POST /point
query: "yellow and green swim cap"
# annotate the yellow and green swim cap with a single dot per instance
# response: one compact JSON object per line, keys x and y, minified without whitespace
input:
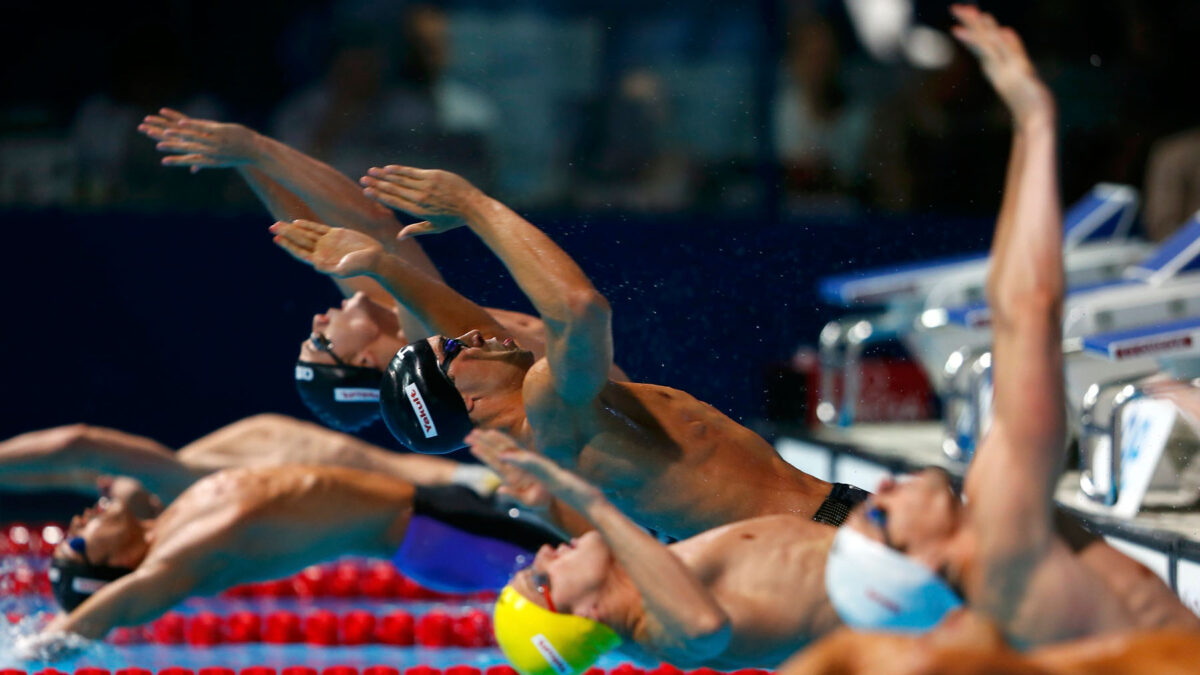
{"x":537,"y":641}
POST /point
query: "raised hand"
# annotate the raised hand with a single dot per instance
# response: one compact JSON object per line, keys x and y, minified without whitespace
{"x":441,"y":197}
{"x":491,"y":447}
{"x":527,"y":466}
{"x":1004,"y":61}
{"x":200,"y":144}
{"x":335,"y":251}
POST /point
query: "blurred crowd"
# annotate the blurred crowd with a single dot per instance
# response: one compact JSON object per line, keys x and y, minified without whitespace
{"x":774,"y":107}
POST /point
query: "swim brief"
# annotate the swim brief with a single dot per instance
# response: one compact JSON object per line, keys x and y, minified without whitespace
{"x":842,"y":498}
{"x":458,"y":541}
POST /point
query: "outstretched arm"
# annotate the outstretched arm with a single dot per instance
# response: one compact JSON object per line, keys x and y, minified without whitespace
{"x":683,"y":621}
{"x":1012,"y":479}
{"x":345,"y":253}
{"x":73,"y":457}
{"x":578,"y":318}
{"x":291,"y":184}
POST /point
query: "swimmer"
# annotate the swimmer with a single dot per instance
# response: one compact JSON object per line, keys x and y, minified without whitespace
{"x":967,"y":644}
{"x":244,"y":525}
{"x":997,"y":550}
{"x":746,"y":594}
{"x":76,"y":457}
{"x":678,"y":465}
{"x":337,"y":370}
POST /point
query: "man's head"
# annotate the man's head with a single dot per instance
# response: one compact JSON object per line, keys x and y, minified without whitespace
{"x":103,"y":544}
{"x":890,"y":561}
{"x":338,"y":371}
{"x":550,"y":619}
{"x":434,"y":390}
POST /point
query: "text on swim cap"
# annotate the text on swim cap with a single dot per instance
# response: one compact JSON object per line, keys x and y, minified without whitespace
{"x":355,"y":395}
{"x":421,"y":410}
{"x":548,"y":652}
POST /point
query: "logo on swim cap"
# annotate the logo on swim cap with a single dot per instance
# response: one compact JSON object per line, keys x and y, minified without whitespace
{"x":419,"y":403}
{"x":537,"y":641}
{"x":343,"y":397}
{"x":355,"y":394}
{"x":418,"y":406}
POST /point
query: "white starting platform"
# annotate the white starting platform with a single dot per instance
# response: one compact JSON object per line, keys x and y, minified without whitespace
{"x":1164,"y":539}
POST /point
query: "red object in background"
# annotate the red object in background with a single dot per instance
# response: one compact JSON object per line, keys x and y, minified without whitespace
{"x":175,"y":670}
{"x":340,"y":670}
{"x":500,"y":670}
{"x":321,"y":628}
{"x":396,"y":628}
{"x":205,"y":630}
{"x":282,"y":628}
{"x":892,"y":388}
{"x":626,"y":669}
{"x":310,"y":583}
{"x":11,"y":671}
{"x":381,"y":581}
{"x":462,"y":670}
{"x":594,"y":671}
{"x":244,"y":627}
{"x":257,"y":670}
{"x":215,"y":670}
{"x":133,"y":671}
{"x":473,"y":629}
{"x":422,"y":670}
{"x":358,"y":627}
{"x":666,"y":669}
{"x":380,"y":670}
{"x":298,"y":670}
{"x":50,"y":671}
{"x":168,"y":629}
{"x":278,"y":588}
{"x":91,"y":671}
{"x":435,"y":629}
{"x":344,"y":581}
{"x":750,"y":671}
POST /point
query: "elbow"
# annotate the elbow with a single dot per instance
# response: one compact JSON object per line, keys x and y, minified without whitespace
{"x":1039,"y":303}
{"x":587,"y":305}
{"x":708,"y":635}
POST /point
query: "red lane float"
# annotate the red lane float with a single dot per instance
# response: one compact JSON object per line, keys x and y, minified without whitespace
{"x":623,"y":669}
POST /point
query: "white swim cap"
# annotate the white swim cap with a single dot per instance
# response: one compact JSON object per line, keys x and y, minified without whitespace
{"x":875,"y":588}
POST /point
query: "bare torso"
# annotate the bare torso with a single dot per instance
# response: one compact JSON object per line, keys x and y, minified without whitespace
{"x":255,"y":524}
{"x":768,"y":574}
{"x":674,"y":463}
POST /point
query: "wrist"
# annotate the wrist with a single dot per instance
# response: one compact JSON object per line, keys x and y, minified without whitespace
{"x":478,"y":209}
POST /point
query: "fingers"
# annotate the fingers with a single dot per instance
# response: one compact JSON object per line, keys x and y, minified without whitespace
{"x":297,"y":252}
{"x":416,"y":230}
{"x":405,"y":188}
{"x":195,"y":161}
{"x":182,"y":147}
{"x":312,"y":227}
{"x":399,"y":172}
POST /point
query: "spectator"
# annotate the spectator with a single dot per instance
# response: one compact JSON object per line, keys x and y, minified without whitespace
{"x":364,"y":113}
{"x":1172,"y":183}
{"x":820,"y":131}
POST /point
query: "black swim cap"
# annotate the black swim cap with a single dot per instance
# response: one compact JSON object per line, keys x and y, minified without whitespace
{"x":74,"y":581}
{"x":343,"y":397}
{"x":420,"y":405}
